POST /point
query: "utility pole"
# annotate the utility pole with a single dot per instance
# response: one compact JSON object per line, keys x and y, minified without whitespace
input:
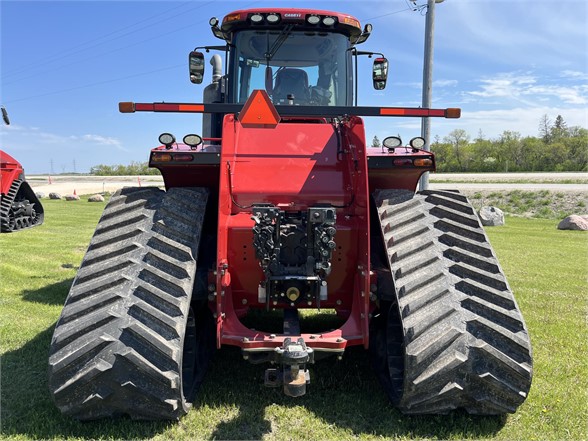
{"x":428,"y":83}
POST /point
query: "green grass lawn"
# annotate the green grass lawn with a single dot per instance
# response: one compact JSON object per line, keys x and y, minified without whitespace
{"x":546,"y":268}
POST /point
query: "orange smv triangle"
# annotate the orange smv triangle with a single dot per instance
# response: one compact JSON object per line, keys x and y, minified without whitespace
{"x":259,"y":111}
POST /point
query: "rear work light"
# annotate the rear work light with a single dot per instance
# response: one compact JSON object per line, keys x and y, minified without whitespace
{"x":167,"y":139}
{"x":391,"y":142}
{"x":193,"y":140}
{"x":417,"y":142}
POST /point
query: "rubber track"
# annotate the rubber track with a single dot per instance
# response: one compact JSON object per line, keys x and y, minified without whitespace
{"x":6,"y":203}
{"x":8,"y":199}
{"x":466,"y":344}
{"x":117,"y":346}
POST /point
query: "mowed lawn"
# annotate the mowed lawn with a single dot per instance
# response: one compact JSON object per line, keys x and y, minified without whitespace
{"x":546,"y":268}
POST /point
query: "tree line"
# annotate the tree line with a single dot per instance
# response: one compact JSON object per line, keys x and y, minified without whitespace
{"x":557,"y":148}
{"x":133,"y":169}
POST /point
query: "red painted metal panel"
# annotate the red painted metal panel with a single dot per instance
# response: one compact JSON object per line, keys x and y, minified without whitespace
{"x":10,"y":169}
{"x":294,"y":166}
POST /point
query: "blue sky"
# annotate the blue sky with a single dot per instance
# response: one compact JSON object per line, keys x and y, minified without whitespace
{"x":64,"y":66}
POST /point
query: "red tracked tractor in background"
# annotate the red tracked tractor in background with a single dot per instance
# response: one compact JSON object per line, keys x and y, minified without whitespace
{"x":281,"y":207}
{"x":19,"y":206}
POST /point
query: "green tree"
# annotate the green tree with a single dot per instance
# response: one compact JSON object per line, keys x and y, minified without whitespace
{"x":545,"y":128}
{"x":444,"y":157}
{"x":559,"y":129}
{"x":459,"y":140}
{"x":513,"y":149}
{"x":133,"y":169}
{"x":484,"y":157}
{"x":376,"y":142}
{"x":577,"y":148}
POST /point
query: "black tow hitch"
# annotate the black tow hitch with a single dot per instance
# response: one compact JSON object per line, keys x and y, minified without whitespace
{"x":292,"y":373}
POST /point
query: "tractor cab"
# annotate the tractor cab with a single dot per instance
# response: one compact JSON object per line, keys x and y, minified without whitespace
{"x":299,"y":57}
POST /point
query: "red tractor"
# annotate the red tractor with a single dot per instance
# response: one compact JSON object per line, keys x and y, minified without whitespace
{"x":19,"y":206}
{"x":281,"y":208}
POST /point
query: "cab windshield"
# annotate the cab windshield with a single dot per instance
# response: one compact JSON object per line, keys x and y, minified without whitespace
{"x":294,"y":67}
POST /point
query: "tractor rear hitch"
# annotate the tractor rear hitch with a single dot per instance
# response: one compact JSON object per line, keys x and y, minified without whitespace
{"x":292,"y":373}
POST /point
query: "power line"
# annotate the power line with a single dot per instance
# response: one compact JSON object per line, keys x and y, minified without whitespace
{"x":94,"y":55}
{"x":388,"y":14}
{"x":94,"y":42}
{"x":95,"y":84}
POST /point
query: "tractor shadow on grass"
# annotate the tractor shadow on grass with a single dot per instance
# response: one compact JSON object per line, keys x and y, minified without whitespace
{"x":344,"y":397}
{"x":53,"y":294}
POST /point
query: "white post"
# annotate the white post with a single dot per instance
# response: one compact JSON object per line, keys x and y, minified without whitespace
{"x":428,"y":83}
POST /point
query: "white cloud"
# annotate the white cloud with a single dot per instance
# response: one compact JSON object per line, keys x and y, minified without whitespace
{"x":102,"y":140}
{"x":574,"y":74}
{"x":445,"y":83}
{"x":569,"y":95}
{"x":56,"y":139}
{"x":504,"y":85}
{"x":527,"y":88}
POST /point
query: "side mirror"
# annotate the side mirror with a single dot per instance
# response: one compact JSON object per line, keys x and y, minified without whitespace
{"x":196,"y":64}
{"x":380,"y":73}
{"x":5,"y":116}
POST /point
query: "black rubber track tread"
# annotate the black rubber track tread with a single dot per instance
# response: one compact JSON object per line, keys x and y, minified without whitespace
{"x":465,"y":342}
{"x":18,"y":191}
{"x":117,"y":348}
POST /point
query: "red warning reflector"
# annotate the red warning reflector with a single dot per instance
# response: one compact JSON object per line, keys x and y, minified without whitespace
{"x":185,"y":157}
{"x":403,"y":162}
{"x":259,"y":111}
